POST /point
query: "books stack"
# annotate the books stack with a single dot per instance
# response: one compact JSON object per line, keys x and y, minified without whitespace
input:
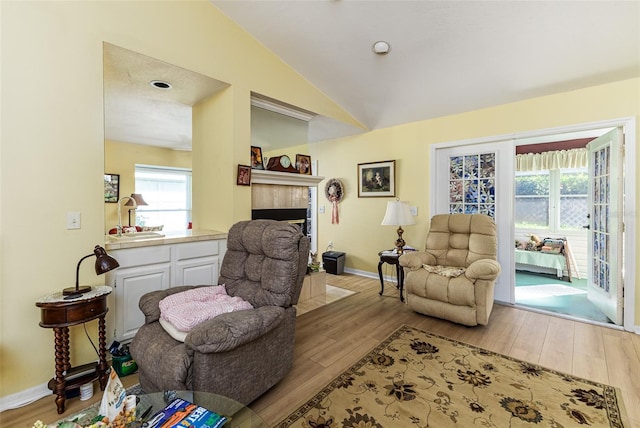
{"x":182,"y":413}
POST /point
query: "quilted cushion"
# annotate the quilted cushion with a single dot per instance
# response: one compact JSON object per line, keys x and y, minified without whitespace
{"x":262,"y":257}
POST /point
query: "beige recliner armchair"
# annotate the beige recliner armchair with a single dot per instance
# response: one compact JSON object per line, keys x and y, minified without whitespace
{"x":454,"y":277}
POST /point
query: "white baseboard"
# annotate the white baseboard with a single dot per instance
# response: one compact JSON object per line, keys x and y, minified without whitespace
{"x":25,"y":397}
{"x":361,"y":273}
{"x":373,"y":275}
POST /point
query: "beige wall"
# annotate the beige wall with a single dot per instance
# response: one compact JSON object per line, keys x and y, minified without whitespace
{"x":122,"y":158}
{"x":52,"y":145}
{"x":409,"y":145}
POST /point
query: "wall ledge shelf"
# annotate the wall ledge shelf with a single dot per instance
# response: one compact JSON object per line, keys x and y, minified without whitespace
{"x":284,"y":178}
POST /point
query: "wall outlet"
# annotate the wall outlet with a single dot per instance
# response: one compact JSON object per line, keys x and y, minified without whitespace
{"x":330,"y":245}
{"x":73,"y":220}
{"x":414,"y":210}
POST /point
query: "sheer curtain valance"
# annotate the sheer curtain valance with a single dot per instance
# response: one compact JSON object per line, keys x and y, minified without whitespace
{"x":558,"y":159}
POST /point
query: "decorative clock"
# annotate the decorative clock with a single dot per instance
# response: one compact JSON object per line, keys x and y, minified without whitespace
{"x":281,"y":163}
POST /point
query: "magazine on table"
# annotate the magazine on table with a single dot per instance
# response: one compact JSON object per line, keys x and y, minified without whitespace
{"x":183,"y":413}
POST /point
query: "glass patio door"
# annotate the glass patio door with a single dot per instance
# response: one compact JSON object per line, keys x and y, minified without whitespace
{"x":605,"y":285}
{"x":475,"y":178}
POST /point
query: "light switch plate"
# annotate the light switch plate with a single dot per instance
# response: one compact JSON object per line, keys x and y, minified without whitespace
{"x":73,"y":220}
{"x":414,"y":210}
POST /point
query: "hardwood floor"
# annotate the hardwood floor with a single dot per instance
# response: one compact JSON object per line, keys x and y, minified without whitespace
{"x":331,"y":338}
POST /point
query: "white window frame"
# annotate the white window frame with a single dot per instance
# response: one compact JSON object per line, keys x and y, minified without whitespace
{"x":168,"y":170}
{"x":554,"y":197}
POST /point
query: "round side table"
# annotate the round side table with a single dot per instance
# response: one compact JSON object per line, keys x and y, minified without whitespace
{"x":59,"y":313}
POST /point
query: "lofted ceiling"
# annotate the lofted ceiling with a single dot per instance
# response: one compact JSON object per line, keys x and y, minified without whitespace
{"x":446,"y":57}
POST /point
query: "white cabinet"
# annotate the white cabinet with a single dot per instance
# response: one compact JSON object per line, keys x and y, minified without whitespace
{"x":197,"y":263}
{"x":157,"y":267}
{"x":130,"y":285}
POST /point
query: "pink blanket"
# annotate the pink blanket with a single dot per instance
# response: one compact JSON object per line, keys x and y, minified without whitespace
{"x":189,"y":308}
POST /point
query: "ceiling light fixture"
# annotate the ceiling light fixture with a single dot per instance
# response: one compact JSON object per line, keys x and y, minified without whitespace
{"x":160,"y":84}
{"x":381,"y":47}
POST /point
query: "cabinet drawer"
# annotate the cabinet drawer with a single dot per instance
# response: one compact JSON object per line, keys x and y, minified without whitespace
{"x":75,"y":314}
{"x":192,"y":250}
{"x":143,"y":256}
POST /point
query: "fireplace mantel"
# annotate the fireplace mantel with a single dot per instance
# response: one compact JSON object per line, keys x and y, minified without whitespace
{"x":284,"y":178}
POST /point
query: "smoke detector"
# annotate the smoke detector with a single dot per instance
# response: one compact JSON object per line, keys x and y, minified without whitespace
{"x":381,"y":47}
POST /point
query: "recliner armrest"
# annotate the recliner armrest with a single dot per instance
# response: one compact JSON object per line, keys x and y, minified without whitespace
{"x":415,"y":259}
{"x":228,"y":331}
{"x":486,"y":269}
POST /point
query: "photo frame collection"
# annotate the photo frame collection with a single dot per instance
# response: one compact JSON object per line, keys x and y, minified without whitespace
{"x":302,"y":165}
{"x":377,"y":179}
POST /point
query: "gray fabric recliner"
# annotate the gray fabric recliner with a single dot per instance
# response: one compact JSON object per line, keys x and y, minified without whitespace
{"x":240,"y":354}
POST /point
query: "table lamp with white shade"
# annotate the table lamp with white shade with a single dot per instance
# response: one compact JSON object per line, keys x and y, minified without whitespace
{"x":398,"y":214}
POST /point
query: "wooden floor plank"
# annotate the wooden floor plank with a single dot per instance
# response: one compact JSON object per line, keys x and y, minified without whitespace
{"x":557,"y":350}
{"x":589,"y":359}
{"x":623,"y":365}
{"x":528,"y":344}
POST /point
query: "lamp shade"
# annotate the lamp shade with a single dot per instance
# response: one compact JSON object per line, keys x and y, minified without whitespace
{"x":135,"y":200}
{"x":104,"y":262}
{"x":398,"y":214}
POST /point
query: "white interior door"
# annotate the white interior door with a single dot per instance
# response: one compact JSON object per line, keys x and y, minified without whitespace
{"x":605,"y":285}
{"x":454,"y":169}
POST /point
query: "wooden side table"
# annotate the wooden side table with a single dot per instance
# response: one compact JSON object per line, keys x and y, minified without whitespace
{"x":59,"y":314}
{"x":392,"y":259}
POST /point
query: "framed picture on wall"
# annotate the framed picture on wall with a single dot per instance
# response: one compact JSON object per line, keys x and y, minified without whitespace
{"x":244,"y":175}
{"x":303,"y":164}
{"x":256,"y":158}
{"x":111,"y":188}
{"x":377,"y":179}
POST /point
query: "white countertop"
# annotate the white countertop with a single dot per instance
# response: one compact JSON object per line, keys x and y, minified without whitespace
{"x":169,"y":238}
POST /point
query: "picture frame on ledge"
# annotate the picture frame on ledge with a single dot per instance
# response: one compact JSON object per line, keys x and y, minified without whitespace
{"x":111,"y":188}
{"x":377,"y":179}
{"x":257,"y":162}
{"x":303,"y":164}
{"x":244,"y":175}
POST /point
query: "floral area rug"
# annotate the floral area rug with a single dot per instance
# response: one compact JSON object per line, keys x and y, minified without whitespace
{"x":418,"y":379}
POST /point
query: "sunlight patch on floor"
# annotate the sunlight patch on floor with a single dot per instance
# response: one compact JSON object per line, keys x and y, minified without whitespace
{"x":332,"y":294}
{"x":545,"y":290}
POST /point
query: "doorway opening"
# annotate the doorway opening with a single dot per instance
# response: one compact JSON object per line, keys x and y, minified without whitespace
{"x":554,"y":200}
{"x":607,"y":249}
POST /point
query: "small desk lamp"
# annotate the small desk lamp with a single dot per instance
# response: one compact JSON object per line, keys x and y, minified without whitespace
{"x":135,"y":200}
{"x":104,"y":263}
{"x":398,"y":214}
